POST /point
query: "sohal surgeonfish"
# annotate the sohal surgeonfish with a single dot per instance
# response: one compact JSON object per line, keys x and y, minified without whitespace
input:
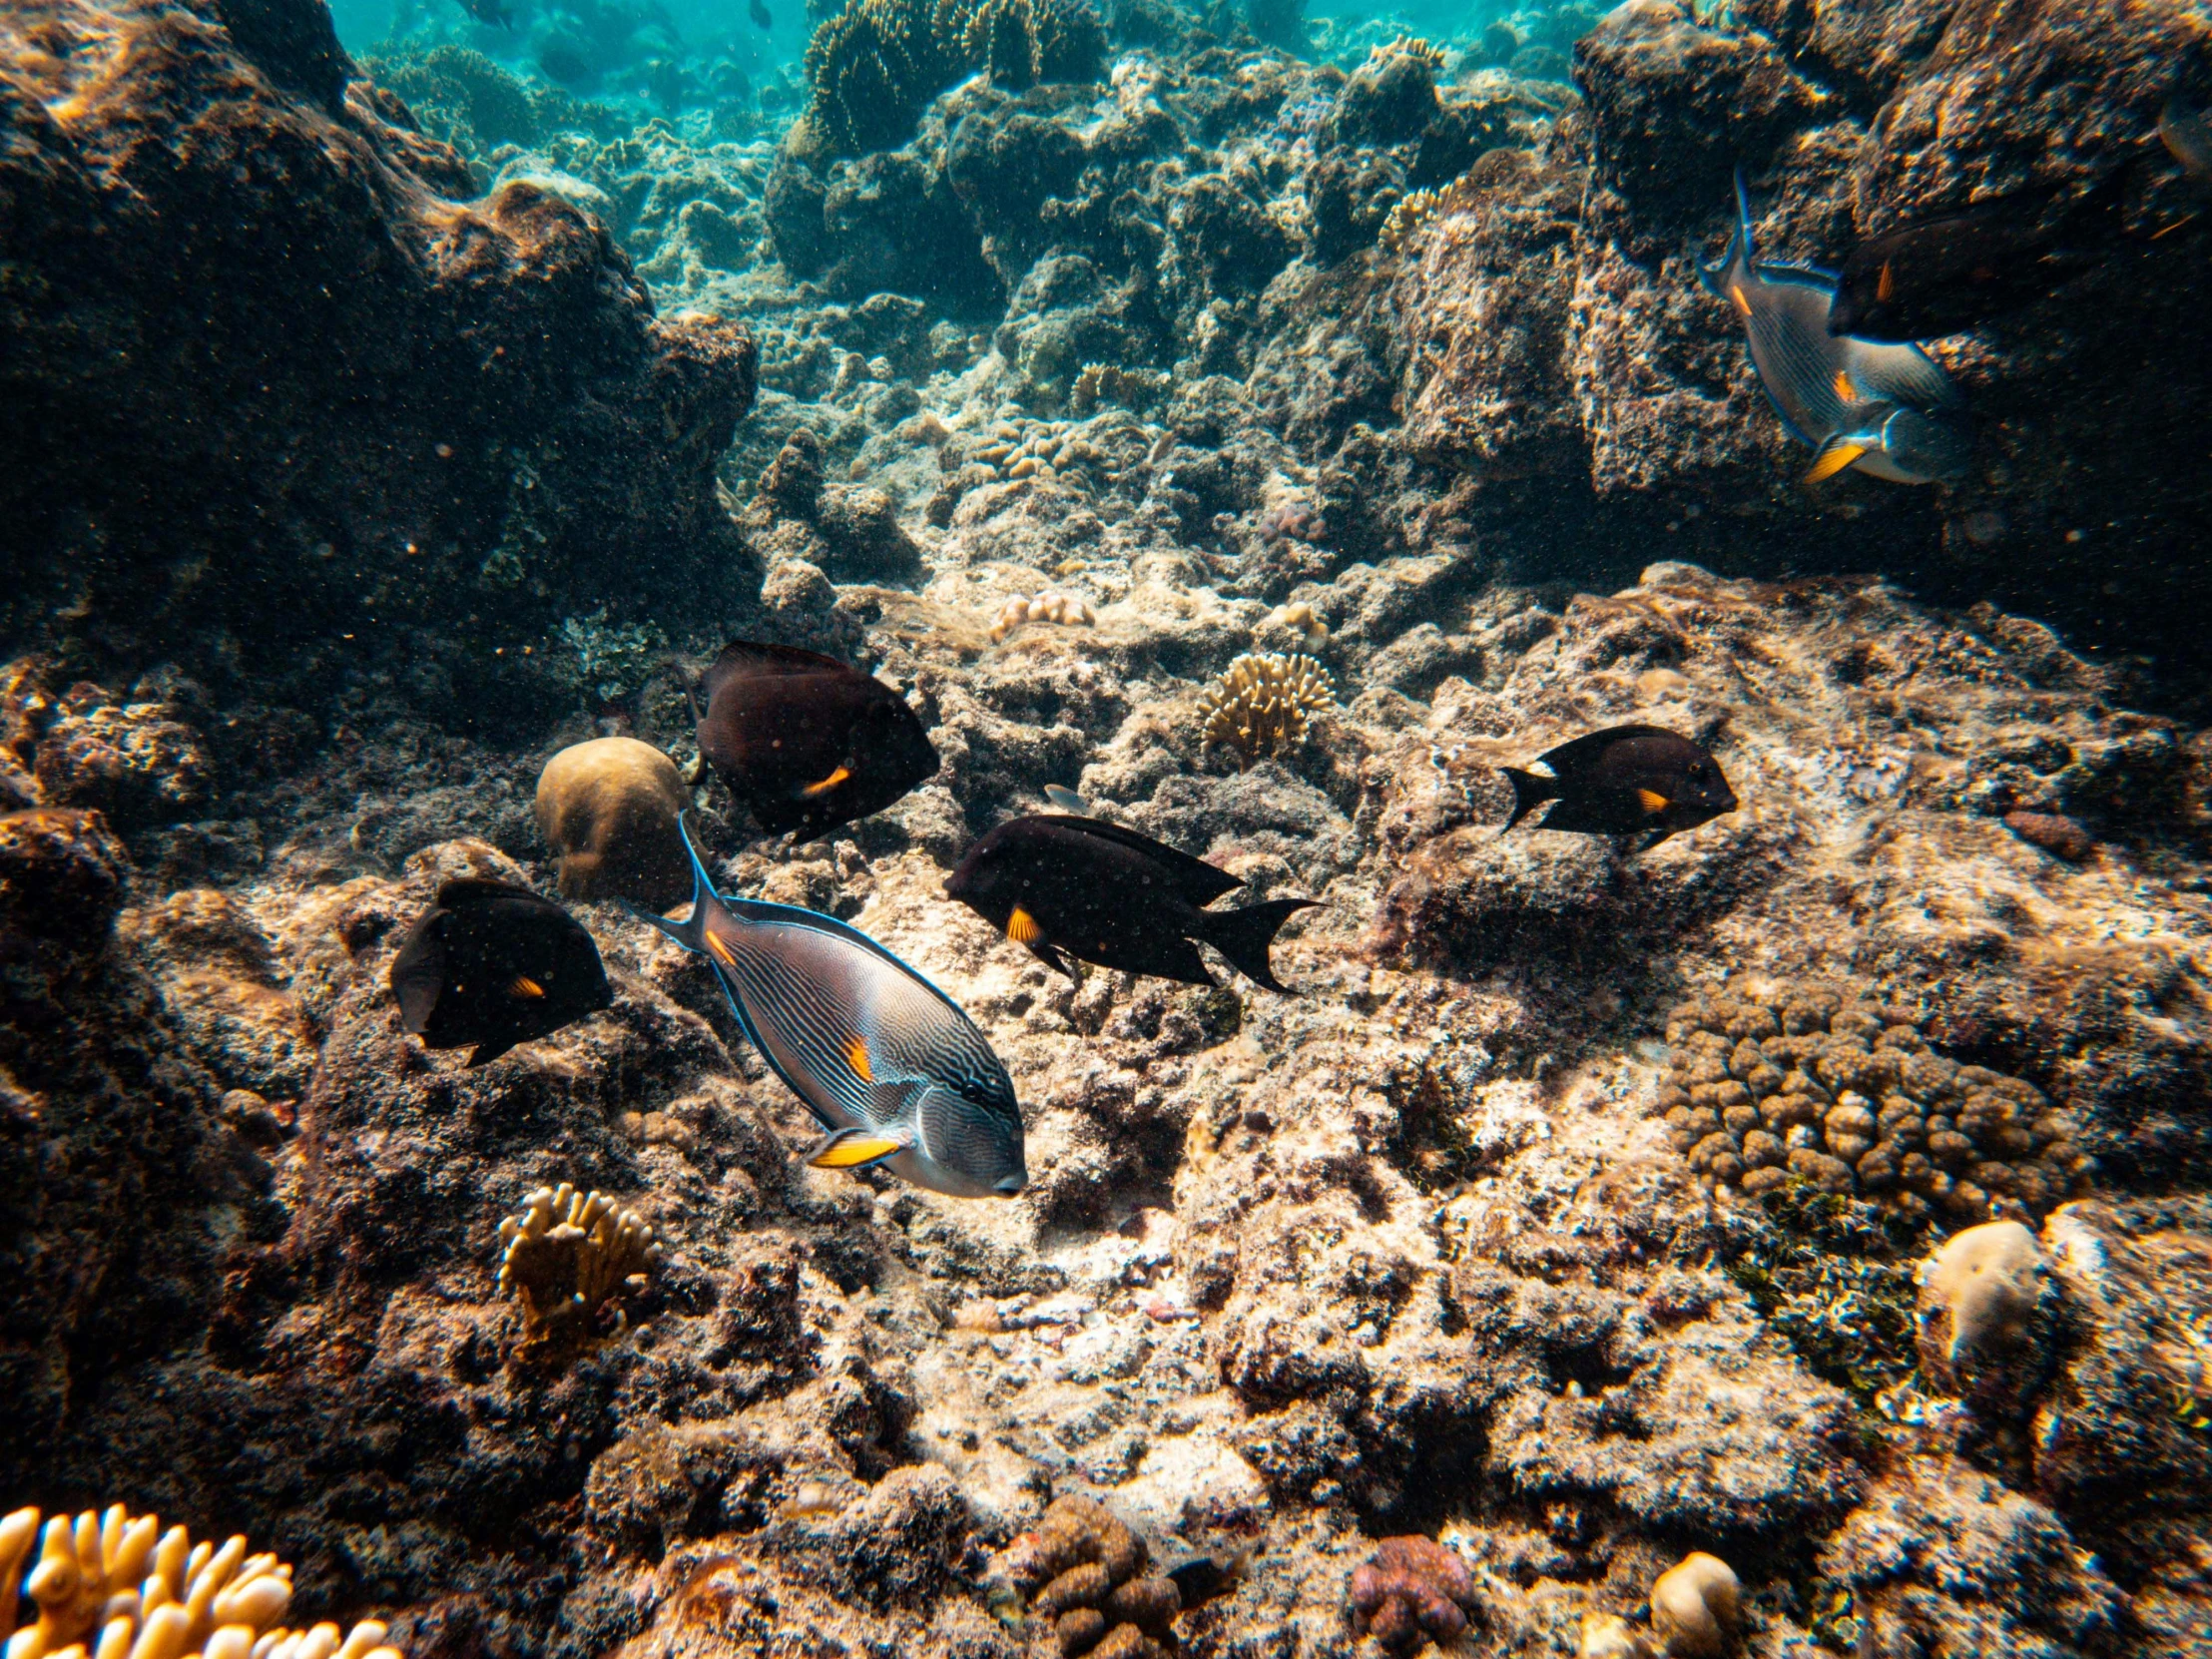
{"x":1945,"y":276}
{"x":495,"y":965}
{"x":1109,"y":895}
{"x":887,"y":1064}
{"x":1624,"y":781}
{"x":803,"y":740}
{"x":1835,"y":392}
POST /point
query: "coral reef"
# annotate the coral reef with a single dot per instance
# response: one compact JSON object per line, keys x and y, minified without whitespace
{"x":574,"y":1260}
{"x":137,"y":1589}
{"x":610,"y":809}
{"x":1411,"y":1590}
{"x":1986,"y":1315}
{"x":1263,"y":704}
{"x":537,"y":434}
{"x":1798,"y":1083}
{"x":876,"y":62}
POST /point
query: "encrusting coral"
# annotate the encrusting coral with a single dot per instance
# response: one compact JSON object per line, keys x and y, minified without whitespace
{"x":1085,"y":1571}
{"x":151,"y":1594}
{"x":1062,"y":608}
{"x":1262,"y":705}
{"x":609,"y":809}
{"x":1853,"y":1099}
{"x":573,"y":1257}
{"x":1693,"y":1606}
{"x":1411,"y":1590}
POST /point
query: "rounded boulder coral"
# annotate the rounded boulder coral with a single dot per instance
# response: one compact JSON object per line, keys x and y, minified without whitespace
{"x":610,"y":809}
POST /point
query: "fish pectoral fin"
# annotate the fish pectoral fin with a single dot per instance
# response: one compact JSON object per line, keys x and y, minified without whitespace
{"x":1835,"y":455}
{"x":525,"y":986}
{"x":809,"y":792}
{"x":1053,"y":958}
{"x":1652,"y":801}
{"x":1024,"y":929}
{"x":855,"y":1148}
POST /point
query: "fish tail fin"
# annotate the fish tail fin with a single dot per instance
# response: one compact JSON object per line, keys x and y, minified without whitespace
{"x":1245,"y":936}
{"x":1530,"y":793}
{"x":691,"y":932}
{"x":1743,"y":218}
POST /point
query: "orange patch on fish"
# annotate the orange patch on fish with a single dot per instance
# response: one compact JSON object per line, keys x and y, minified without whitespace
{"x":1885,"y":285}
{"x":1022,"y":927}
{"x":856,"y":1056}
{"x":721,"y":951}
{"x":1844,"y":389}
{"x":1652,"y":801}
{"x":1743,"y":300}
{"x":828,"y":783}
{"x":524,"y":985}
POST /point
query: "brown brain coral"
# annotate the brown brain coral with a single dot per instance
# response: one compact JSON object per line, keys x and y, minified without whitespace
{"x":133,"y":1591}
{"x":1084,"y":1570}
{"x":1851,"y":1098}
{"x":1262,"y":705}
{"x":1411,"y":1590}
{"x":573,"y":1259}
{"x":609,"y":809}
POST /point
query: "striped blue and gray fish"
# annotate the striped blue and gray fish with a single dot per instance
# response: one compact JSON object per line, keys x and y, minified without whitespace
{"x":1884,"y":408}
{"x":890,"y":1067}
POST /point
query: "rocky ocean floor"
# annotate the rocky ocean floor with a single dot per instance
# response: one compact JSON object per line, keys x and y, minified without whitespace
{"x":379,"y":437}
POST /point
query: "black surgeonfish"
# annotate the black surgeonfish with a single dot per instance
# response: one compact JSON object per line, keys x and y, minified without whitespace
{"x":760,"y":18}
{"x":2187,"y":136}
{"x":495,"y":964}
{"x":887,"y":1062}
{"x":803,"y":740}
{"x":1945,"y":276}
{"x":1624,"y":781}
{"x":1836,"y":393}
{"x":1109,"y":895}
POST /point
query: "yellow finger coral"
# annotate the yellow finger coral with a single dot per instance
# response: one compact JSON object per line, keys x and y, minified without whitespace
{"x":150,"y":1594}
{"x":572,"y":1258}
{"x":1262,"y":705}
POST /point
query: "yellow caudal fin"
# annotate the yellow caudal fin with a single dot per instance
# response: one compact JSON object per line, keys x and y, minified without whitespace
{"x":856,"y":1056}
{"x":1832,"y":461}
{"x":1022,"y":927}
{"x":827,"y":785}
{"x":1652,"y":801}
{"x":850,"y":1148}
{"x":523,"y":985}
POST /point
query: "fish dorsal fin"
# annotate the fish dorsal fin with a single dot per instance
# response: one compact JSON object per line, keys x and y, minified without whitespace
{"x":1195,"y":880}
{"x":760,"y":657}
{"x":464,"y":890}
{"x":1569,"y":757}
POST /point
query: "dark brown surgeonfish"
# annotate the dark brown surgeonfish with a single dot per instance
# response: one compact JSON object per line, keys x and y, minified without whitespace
{"x":1624,"y":781}
{"x":1945,"y":276}
{"x":1105,"y":895}
{"x":803,"y":740}
{"x":494,"y":964}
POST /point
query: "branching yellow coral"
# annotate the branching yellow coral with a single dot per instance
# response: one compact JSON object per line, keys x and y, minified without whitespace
{"x":150,"y":1594}
{"x":572,"y":1257}
{"x":1261,"y":706}
{"x":1411,"y":214}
